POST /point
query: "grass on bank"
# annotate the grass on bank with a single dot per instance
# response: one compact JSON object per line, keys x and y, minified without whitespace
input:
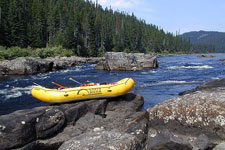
{"x":14,"y":52}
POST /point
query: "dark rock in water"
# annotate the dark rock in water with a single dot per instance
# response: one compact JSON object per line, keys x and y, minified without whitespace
{"x":102,"y":139}
{"x":47,"y":127}
{"x":208,"y":86}
{"x":206,"y":56}
{"x":222,"y":59}
{"x":120,"y":61}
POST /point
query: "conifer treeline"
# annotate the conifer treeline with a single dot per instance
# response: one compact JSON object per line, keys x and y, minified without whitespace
{"x":83,"y":26}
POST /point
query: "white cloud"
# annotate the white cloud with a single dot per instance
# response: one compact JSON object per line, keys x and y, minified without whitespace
{"x":115,"y":4}
{"x":140,"y":8}
{"x":103,"y":2}
{"x":123,"y":3}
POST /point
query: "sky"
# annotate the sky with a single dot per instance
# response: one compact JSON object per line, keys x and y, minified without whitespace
{"x":176,"y":16}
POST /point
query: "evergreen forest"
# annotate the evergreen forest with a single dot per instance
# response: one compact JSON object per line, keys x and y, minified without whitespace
{"x":78,"y":27}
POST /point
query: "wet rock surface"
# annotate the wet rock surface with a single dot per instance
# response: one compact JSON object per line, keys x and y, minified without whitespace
{"x":120,"y":61}
{"x":34,"y":65}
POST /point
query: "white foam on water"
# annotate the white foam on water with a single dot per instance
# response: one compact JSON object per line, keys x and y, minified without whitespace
{"x":167,"y":82}
{"x":215,"y":78}
{"x":14,"y":92}
{"x":3,"y":91}
{"x":14,"y":95}
{"x":172,"y":82}
{"x":191,"y":67}
{"x":196,"y":63}
{"x":77,"y":69}
{"x":40,"y":76}
{"x":149,"y":72}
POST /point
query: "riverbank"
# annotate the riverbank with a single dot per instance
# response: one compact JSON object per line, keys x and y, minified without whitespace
{"x":184,"y":122}
{"x":113,"y":61}
{"x":35,"y":65}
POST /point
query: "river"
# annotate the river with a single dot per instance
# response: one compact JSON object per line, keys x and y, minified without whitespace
{"x":175,"y":74}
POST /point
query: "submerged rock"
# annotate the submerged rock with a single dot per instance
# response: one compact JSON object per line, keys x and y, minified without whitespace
{"x":120,"y":61}
{"x":206,"y":56}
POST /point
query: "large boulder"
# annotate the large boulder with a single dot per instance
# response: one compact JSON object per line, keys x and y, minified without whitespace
{"x":120,"y":61}
{"x":25,"y":66}
{"x":198,"y":115}
{"x":47,"y":127}
{"x":146,"y":60}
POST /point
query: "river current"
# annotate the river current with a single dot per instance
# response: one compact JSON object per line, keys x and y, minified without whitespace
{"x":175,"y":74}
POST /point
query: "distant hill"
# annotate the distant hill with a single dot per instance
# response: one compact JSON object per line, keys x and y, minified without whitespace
{"x":210,"y":41}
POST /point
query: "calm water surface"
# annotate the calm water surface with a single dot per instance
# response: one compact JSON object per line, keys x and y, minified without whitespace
{"x":175,"y":74}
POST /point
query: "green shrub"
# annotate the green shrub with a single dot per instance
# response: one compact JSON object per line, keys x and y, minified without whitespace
{"x":14,"y":52}
{"x":52,"y":52}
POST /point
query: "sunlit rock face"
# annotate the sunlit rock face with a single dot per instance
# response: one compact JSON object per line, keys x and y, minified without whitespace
{"x":195,"y":120}
{"x":120,"y":61}
{"x":194,"y":113}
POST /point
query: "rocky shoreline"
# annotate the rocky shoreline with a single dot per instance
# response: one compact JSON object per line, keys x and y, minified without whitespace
{"x":113,"y":61}
{"x":195,"y":120}
{"x":35,"y":65}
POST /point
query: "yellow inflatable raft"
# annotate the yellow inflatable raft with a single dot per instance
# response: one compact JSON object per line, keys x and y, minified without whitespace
{"x":89,"y":91}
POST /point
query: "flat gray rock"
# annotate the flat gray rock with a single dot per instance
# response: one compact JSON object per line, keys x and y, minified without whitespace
{"x":100,"y":139}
